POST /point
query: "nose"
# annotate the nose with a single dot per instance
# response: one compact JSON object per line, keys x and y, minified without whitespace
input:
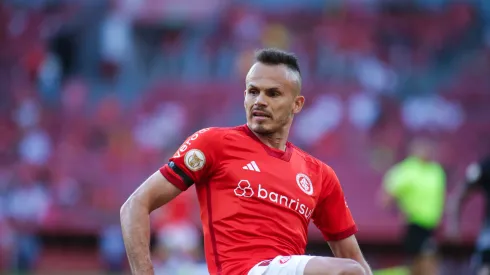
{"x":260,"y":99}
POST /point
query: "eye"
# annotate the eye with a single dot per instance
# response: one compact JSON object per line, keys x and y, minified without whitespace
{"x":274,"y":93}
{"x":253,"y":91}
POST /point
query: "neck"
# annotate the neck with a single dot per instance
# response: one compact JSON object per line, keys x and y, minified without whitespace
{"x":274,"y":141}
{"x":425,"y":160}
{"x":277,"y":140}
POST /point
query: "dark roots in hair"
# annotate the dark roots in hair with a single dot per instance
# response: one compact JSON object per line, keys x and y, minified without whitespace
{"x":278,"y":57}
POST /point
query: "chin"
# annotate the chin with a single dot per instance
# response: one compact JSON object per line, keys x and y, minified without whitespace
{"x":261,"y":128}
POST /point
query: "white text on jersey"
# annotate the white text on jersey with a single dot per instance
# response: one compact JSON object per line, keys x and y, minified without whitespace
{"x":245,"y":190}
{"x":188,"y":142}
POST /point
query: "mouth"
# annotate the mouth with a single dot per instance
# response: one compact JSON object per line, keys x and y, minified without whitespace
{"x":260,"y":114}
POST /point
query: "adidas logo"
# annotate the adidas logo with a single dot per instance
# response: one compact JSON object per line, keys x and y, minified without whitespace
{"x":252,"y":166}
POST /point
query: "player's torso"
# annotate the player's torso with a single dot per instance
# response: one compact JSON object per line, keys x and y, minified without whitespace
{"x":255,"y":179}
{"x":259,"y":202}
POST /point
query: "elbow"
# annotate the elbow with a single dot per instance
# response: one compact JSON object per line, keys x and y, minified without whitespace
{"x":123,"y":209}
{"x":126,"y":209}
{"x":133,"y":206}
{"x":352,"y":267}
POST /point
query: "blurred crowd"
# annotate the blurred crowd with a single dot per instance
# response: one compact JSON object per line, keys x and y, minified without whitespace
{"x":96,"y":95}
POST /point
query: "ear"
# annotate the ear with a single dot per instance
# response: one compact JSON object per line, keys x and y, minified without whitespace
{"x":245,"y":99}
{"x":299,"y":101}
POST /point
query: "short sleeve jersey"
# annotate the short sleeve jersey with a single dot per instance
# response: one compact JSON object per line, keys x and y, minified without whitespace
{"x":256,"y":202}
{"x":420,"y":189}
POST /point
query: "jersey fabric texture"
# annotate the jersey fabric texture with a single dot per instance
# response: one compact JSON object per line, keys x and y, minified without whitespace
{"x":256,"y":202}
{"x":420,"y":189}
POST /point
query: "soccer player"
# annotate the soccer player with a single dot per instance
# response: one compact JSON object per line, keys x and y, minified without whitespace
{"x":257,"y":191}
{"x":418,"y":186}
{"x":477,"y":178}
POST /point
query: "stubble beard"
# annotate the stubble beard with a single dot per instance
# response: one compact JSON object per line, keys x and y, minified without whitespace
{"x":276,"y":126}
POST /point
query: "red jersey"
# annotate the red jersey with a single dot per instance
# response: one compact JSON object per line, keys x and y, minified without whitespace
{"x":256,"y":202}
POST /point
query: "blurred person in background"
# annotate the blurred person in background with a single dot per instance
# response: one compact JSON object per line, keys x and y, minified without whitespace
{"x":477,"y":179}
{"x":111,"y":247}
{"x":26,"y":207}
{"x":178,"y":246}
{"x":6,"y":234}
{"x":418,"y":186}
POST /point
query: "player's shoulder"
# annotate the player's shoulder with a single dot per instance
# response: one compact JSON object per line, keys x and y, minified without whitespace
{"x":218,"y":134}
{"x":403,"y":165}
{"x":314,"y":162}
{"x":234,"y":134}
{"x":211,"y":132}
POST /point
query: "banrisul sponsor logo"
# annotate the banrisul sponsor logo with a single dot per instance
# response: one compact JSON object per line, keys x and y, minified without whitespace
{"x":245,"y":190}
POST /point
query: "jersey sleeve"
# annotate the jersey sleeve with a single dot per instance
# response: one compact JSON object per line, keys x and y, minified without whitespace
{"x":194,"y":160}
{"x":332,"y":215}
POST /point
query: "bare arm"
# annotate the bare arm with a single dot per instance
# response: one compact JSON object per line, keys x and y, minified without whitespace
{"x":349,"y":248}
{"x":135,"y":219}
